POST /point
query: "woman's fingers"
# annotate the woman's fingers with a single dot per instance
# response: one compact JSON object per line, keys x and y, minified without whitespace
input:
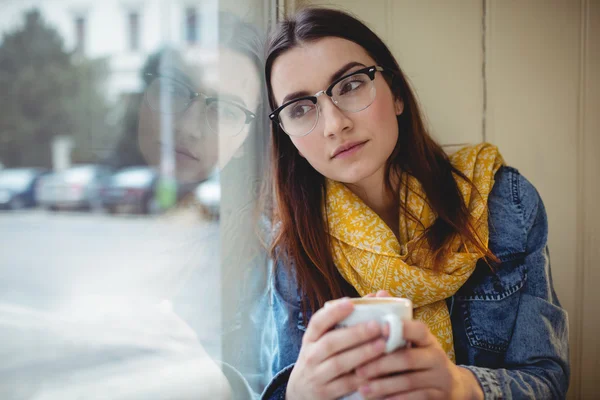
{"x":342,"y":386}
{"x":346,"y":338}
{"x":401,"y":383}
{"x":343,"y":339}
{"x":327,"y":318}
{"x":379,"y":293}
{"x":342,"y":363}
{"x":400,"y":361}
{"x":427,"y":394}
{"x":417,"y":333}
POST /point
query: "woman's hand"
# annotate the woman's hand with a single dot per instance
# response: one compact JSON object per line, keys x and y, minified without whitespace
{"x":326,"y":365}
{"x":422,"y":371}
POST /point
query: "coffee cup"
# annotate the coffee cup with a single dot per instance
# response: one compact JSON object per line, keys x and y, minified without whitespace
{"x":391,"y":311}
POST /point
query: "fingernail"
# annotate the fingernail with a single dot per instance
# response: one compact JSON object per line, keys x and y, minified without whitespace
{"x":365,"y":389}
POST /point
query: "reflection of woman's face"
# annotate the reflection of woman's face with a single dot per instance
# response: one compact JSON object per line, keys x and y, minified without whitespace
{"x":205,"y":133}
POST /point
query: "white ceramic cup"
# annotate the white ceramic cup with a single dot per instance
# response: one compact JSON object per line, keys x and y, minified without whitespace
{"x":391,"y":311}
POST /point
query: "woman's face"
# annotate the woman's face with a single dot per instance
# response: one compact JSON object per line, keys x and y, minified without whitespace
{"x":309,"y":68}
{"x":200,"y":145}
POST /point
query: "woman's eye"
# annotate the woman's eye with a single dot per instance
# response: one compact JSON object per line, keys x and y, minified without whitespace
{"x":227,"y":112}
{"x":350,"y":86}
{"x":176,"y":90}
{"x":300,"y":111}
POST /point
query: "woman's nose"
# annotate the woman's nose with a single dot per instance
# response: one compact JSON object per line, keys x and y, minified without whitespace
{"x":191,"y":122}
{"x":334,"y":119}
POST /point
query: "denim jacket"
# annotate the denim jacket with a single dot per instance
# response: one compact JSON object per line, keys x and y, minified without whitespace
{"x":509,"y":327}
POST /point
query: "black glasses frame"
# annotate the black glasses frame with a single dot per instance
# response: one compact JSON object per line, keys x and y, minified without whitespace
{"x":369,"y":71}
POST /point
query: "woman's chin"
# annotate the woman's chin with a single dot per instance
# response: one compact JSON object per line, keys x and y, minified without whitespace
{"x":354,"y":176}
{"x":187,"y":175}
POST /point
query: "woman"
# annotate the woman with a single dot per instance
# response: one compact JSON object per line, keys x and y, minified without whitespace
{"x":209,"y":119}
{"x":205,"y":100}
{"x":366,"y":202}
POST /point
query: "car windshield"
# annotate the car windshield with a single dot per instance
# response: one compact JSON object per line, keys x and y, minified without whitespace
{"x":133,"y":178}
{"x":15,"y":180}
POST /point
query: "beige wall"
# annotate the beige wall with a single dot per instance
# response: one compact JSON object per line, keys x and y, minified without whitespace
{"x":524,"y":75}
{"x":534,"y":63}
{"x":589,"y":216}
{"x":447,"y":76}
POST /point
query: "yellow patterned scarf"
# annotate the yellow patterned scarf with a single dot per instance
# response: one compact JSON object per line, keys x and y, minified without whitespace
{"x":371,"y":258}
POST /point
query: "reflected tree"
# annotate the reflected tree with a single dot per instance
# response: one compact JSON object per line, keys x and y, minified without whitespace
{"x":49,"y":91}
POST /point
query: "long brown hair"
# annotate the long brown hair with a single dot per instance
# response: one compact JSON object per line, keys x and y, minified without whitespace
{"x":299,"y":190}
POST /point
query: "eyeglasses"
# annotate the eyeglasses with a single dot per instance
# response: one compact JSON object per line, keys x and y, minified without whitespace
{"x":167,"y":95}
{"x":352,"y":93}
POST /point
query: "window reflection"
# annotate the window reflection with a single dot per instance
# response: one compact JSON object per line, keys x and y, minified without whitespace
{"x":191,"y":25}
{"x":134,"y":31}
{"x":131,"y":159}
{"x":80,"y":28}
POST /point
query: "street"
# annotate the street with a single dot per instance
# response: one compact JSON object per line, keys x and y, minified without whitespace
{"x":47,"y":255}
{"x":82,"y":290}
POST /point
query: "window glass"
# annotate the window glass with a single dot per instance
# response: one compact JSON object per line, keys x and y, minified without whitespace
{"x":142,"y":133}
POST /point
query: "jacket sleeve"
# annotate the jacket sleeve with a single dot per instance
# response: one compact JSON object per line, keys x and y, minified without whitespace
{"x":278,"y":386}
{"x":286,"y":331}
{"x":536,"y":362}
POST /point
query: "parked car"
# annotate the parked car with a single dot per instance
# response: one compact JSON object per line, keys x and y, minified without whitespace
{"x":77,"y":187}
{"x":131,"y":189}
{"x":208,"y":196}
{"x":18,"y":187}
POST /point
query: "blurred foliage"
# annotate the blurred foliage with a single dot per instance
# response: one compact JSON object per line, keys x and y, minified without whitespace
{"x":48,"y":91}
{"x":127,"y":152}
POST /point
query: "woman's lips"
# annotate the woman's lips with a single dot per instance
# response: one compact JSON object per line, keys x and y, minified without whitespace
{"x":352,"y":150}
{"x":182,"y":154}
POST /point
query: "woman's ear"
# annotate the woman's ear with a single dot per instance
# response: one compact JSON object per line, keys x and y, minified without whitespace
{"x":399,"y":106}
